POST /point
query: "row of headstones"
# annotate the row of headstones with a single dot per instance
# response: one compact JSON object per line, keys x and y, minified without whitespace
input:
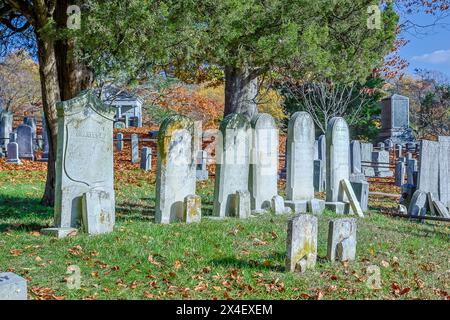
{"x":301,"y":244}
{"x":429,"y":188}
{"x":246,"y":172}
{"x":21,"y":143}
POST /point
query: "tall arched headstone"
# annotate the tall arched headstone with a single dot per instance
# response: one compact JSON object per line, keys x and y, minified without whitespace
{"x":25,"y":142}
{"x":338,"y":166}
{"x":84,"y":166}
{"x":232,"y":169}
{"x":175,"y":178}
{"x":300,"y":162}
{"x":6,"y":122}
{"x":263,"y":182}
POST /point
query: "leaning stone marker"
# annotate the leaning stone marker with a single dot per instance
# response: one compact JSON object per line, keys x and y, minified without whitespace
{"x":354,"y":203}
{"x":84,"y":161}
{"x":418,"y":205}
{"x":263,"y":182}
{"x":342,"y":240}
{"x":444,"y":170}
{"x":300,"y":162}
{"x":12,"y":287}
{"x":232,"y":169}
{"x":441,"y":210}
{"x":175,"y":177}
{"x":301,"y":243}
{"x":242,"y":204}
{"x":338,"y":145}
{"x":428,"y":177}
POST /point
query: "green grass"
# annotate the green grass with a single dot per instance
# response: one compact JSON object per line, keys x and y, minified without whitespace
{"x":213,"y":259}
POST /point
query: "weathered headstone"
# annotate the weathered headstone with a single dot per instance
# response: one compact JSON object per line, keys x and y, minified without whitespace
{"x":277,"y":205}
{"x":201,"y":172}
{"x":176,"y":168}
{"x":366,"y":159}
{"x":395,"y":120}
{"x":444,"y":170}
{"x":119,"y":142}
{"x":400,"y":173}
{"x":300,"y":162}
{"x":361,"y":190}
{"x":242,"y":204}
{"x":428,"y":176}
{"x":440,"y":209}
{"x":98,"y":215}
{"x":342,"y":240}
{"x":13,"y":153}
{"x":84,"y":160}
{"x":353,"y":200}
{"x":192,"y":210}
{"x":12,"y":287}
{"x":6,"y":124}
{"x":263,"y":180}
{"x":25,"y":142}
{"x":301,"y":243}
{"x":338,"y":167}
{"x":232,"y":169}
{"x":146,"y":158}
{"x":411,"y":170}
{"x":134,"y":148}
{"x":380,"y":160}
{"x":418,"y":205}
{"x":319,"y":176}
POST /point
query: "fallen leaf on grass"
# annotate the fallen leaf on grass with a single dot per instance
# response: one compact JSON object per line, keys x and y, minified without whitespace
{"x":15,"y":252}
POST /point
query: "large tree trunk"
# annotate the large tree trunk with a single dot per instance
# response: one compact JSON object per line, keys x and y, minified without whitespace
{"x":241,"y":90}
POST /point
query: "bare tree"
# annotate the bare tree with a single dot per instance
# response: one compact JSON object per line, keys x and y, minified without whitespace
{"x":325,"y":100}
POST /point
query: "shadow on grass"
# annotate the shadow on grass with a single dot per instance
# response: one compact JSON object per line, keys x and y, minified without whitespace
{"x":232,"y":262}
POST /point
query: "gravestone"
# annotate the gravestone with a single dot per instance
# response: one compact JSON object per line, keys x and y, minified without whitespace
{"x":300,"y":162}
{"x":202,"y":173}
{"x":119,"y":142}
{"x":175,"y":177}
{"x":380,"y":160}
{"x":301,"y":243}
{"x":232,"y":168}
{"x":98,"y":215}
{"x":402,"y":210}
{"x":263,"y":180}
{"x":242,"y":204}
{"x":12,"y":287}
{"x":192,"y":210}
{"x":342,"y":240}
{"x":338,"y":167}
{"x":319,"y":176}
{"x":25,"y":142}
{"x":444,"y":170}
{"x":45,"y":144}
{"x":400,"y":173}
{"x":441,"y":210}
{"x":361,"y":190}
{"x":366,"y":159}
{"x":134,"y":148}
{"x":146,"y":158}
{"x":428,"y":173}
{"x":277,"y":205}
{"x":6,"y":124}
{"x":31,"y":121}
{"x":395,"y":120}
{"x":347,"y":189}
{"x":12,"y":152}
{"x":84,"y":161}
{"x":418,"y":205}
{"x":356,"y":173}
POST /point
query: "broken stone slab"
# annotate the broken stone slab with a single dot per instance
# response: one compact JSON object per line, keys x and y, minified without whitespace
{"x":297,"y":206}
{"x":59,"y":232}
{"x":440,"y":209}
{"x":354,"y":203}
{"x":12,"y":287}
{"x":342,"y":239}
{"x":301,"y":243}
{"x":242,"y":204}
{"x":98,"y":216}
{"x":418,"y":205}
{"x":192,"y":209}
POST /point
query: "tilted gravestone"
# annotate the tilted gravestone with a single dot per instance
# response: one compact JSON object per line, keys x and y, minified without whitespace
{"x":134,"y":148}
{"x":175,"y":176}
{"x":25,"y":142}
{"x":233,"y":160}
{"x":380,"y":160}
{"x":428,"y":176}
{"x":12,"y":287}
{"x":342,"y":240}
{"x":146,"y":158}
{"x":418,"y":205}
{"x":301,"y":243}
{"x":444,"y":170}
{"x":84,"y":163}
{"x":338,"y":167}
{"x":263,"y":180}
{"x":441,"y":210}
{"x":300,"y":162}
{"x":6,"y":124}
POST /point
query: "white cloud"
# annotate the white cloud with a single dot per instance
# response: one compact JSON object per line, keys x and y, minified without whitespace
{"x":436,"y":57}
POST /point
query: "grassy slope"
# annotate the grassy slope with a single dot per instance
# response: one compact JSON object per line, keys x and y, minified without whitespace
{"x":213,"y":259}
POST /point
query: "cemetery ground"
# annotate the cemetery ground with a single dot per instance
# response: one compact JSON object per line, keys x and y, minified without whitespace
{"x":227,"y":259}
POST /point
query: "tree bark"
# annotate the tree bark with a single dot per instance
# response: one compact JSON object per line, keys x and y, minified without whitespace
{"x":241,"y":91}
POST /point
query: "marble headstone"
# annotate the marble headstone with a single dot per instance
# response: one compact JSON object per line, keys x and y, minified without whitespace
{"x":12,"y":287}
{"x":342,"y":240}
{"x":134,"y":148}
{"x":25,"y":142}
{"x":146,"y":158}
{"x":428,"y":176}
{"x":192,"y":210}
{"x":444,"y":170}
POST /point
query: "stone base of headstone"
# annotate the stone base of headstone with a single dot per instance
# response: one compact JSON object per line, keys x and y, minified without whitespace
{"x":297,"y":206}
{"x":277,"y":205}
{"x":319,"y":176}
{"x":342,"y":240}
{"x":338,"y":207}
{"x":192,"y":209}
{"x":316,"y":206}
{"x":418,"y":206}
{"x":14,"y":161}
{"x":59,"y":232}
{"x":12,"y":287}
{"x":97,"y":213}
{"x":361,"y":190}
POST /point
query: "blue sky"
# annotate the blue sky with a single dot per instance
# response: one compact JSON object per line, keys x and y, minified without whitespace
{"x":430,"y":48}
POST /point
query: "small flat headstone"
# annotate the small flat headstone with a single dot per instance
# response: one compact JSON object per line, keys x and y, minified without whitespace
{"x":146,"y":158}
{"x":97,"y":213}
{"x":192,"y":211}
{"x":277,"y":205}
{"x":12,"y":287}
{"x":301,"y":243}
{"x":242,"y":204}
{"x":342,"y":240}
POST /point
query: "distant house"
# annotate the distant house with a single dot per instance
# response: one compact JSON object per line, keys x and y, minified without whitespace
{"x":128,"y":107}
